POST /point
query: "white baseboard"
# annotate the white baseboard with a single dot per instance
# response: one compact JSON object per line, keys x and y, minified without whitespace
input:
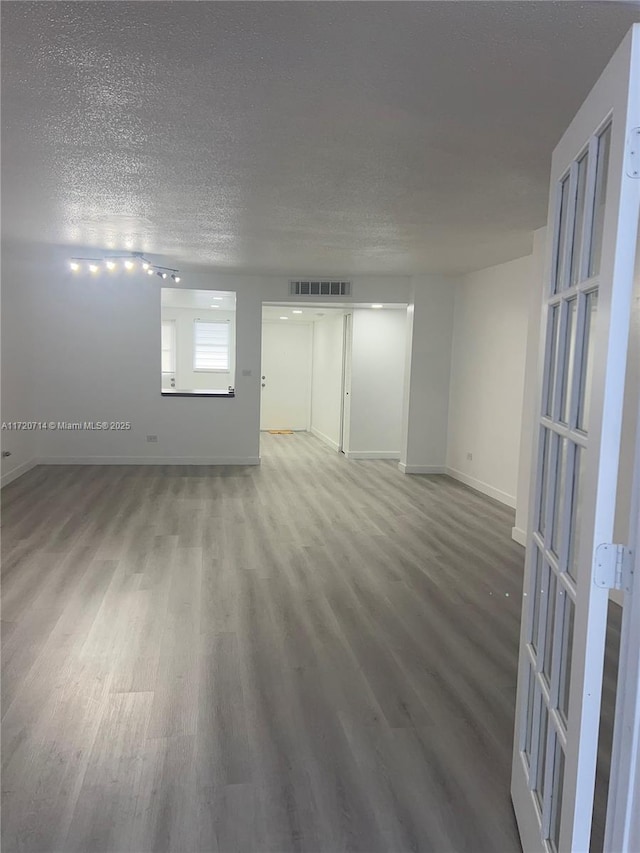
{"x":520,"y":536}
{"x":149,"y":460}
{"x":421,"y":469}
{"x":325,"y":438}
{"x":10,"y":476}
{"x":485,"y":488}
{"x":372,"y":454}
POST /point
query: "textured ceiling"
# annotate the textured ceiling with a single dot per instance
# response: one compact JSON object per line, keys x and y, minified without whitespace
{"x":322,"y":138}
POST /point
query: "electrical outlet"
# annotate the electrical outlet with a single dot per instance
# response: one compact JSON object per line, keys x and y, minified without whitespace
{"x":153,"y":439}
{"x":469,"y":456}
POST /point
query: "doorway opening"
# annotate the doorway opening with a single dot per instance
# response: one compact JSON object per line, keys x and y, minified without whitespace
{"x":335,"y":371}
{"x":303,"y":371}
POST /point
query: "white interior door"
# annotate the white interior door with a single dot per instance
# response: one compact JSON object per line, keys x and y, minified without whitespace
{"x":593,"y":220}
{"x":286,"y":376}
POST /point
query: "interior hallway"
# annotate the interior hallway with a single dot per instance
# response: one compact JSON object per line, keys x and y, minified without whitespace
{"x":315,"y":655}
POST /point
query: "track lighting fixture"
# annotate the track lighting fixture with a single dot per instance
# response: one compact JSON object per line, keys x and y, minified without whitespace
{"x":130,"y":263}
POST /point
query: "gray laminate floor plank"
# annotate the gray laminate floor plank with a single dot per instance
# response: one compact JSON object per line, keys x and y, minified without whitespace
{"x":311,"y":655}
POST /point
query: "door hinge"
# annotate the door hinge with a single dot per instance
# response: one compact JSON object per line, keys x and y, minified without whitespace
{"x":633,"y":153}
{"x":614,"y":567}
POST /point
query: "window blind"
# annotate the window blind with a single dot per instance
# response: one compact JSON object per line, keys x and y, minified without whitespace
{"x":210,"y":346}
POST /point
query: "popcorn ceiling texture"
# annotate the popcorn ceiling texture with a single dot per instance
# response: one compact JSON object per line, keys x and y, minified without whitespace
{"x":308,"y":137}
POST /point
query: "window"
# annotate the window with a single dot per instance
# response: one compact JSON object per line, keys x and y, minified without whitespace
{"x":168,"y":346}
{"x":211,"y":346}
{"x":198,"y":342}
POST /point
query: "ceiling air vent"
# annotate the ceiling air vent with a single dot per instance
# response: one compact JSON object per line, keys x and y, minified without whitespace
{"x":319,"y":288}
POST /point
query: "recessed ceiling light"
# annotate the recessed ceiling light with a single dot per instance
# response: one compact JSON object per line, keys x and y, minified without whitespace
{"x":296,"y":311}
{"x":284,"y":318}
{"x":376,"y":305}
{"x":214,"y":306}
{"x":219,"y":298}
{"x":75,"y":266}
{"x":93,"y":268}
{"x":129,"y":265}
{"x":110,"y":265}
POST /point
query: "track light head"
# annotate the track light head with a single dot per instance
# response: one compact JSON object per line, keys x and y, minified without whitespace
{"x":129,"y":263}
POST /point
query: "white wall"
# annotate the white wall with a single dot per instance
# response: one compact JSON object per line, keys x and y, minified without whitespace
{"x":378,"y":352}
{"x":186,"y":377}
{"x":17,"y":370}
{"x":530,"y":392}
{"x":427,"y":375}
{"x":326,"y":381}
{"x":95,"y":344}
{"x":96,"y":357}
{"x":487,"y":377}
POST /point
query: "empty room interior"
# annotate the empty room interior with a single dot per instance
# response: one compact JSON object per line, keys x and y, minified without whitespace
{"x":320,"y":465}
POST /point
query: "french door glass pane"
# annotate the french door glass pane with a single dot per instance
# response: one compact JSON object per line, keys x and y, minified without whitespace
{"x":531,"y":710}
{"x":591,"y":313}
{"x":569,"y":360}
{"x":602,"y":169}
{"x":565,"y":659}
{"x":576,"y":512}
{"x":558,"y":494}
{"x":550,"y":622}
{"x":556,"y":794}
{"x":537,"y":583}
{"x":542,"y":753}
{"x":559,"y":281}
{"x":552,"y":338}
{"x":579,"y":220}
{"x":544,"y":479}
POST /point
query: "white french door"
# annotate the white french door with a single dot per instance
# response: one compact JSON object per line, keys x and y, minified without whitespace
{"x":593,"y":220}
